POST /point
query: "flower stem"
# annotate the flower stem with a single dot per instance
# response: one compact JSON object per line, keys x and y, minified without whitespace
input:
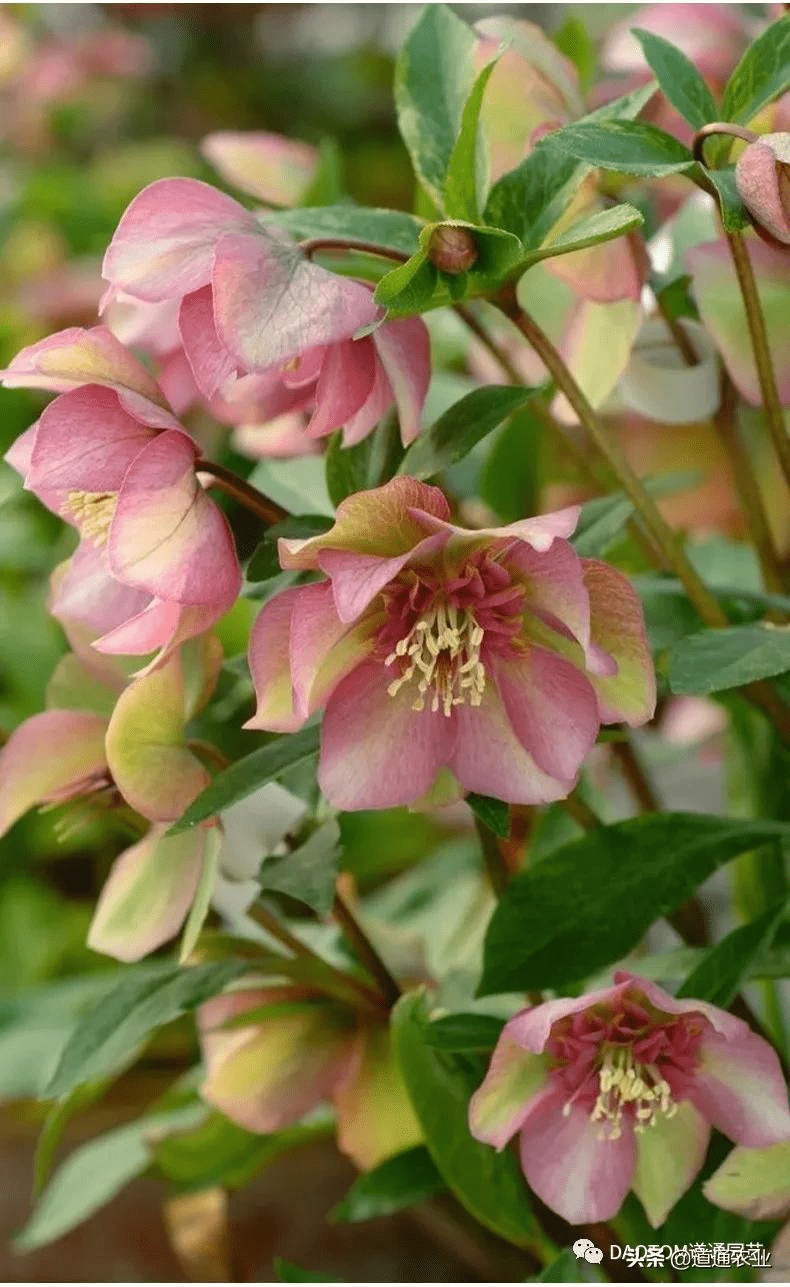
{"x":766,"y":375}
{"x":243,"y":492}
{"x":719,"y":127}
{"x":581,"y":812}
{"x":634,"y":774}
{"x":315,"y":245}
{"x":366,"y":951}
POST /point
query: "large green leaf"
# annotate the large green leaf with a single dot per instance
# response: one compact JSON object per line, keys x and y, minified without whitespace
{"x":604,"y":225}
{"x":588,"y":903}
{"x":761,"y":76}
{"x":346,"y":467}
{"x":723,"y":969}
{"x":569,"y":1268}
{"x":307,"y":873}
{"x":245,"y":776}
{"x":464,"y":1032}
{"x":461,"y":428}
{"x":217,"y":1151}
{"x":440,"y":1084}
{"x":390,"y":229}
{"x":630,"y":147}
{"x":145,"y":999}
{"x":714,"y":660}
{"x":679,"y":79}
{"x":402,"y":1181}
{"x":434,"y":75}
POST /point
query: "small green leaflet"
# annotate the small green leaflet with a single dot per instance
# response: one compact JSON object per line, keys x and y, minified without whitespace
{"x":464,"y":425}
{"x":604,"y":225}
{"x":464,"y":1032}
{"x":494,"y":813}
{"x":307,"y":873}
{"x":679,"y":79}
{"x":761,"y":76}
{"x":715,"y":660}
{"x":723,"y":969}
{"x":466,"y":183}
{"x":402,"y":1181}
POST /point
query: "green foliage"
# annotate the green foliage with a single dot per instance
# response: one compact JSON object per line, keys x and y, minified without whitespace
{"x":679,"y":79}
{"x":215,"y":1151}
{"x":495,"y":814}
{"x":721,"y":972}
{"x":307,"y":873}
{"x":390,"y":229}
{"x":761,"y":76}
{"x":590,"y":230}
{"x":714,"y":660}
{"x":464,"y":1033}
{"x":461,"y":428}
{"x":400,"y":1182}
{"x":630,"y":147}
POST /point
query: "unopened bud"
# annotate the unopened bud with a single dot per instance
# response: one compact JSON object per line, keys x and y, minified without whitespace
{"x":762,"y":177}
{"x":452,"y":249}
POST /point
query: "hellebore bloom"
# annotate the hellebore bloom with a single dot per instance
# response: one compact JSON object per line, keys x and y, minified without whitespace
{"x":493,"y":655}
{"x":271,"y":167}
{"x":110,"y":458}
{"x":762,"y":177}
{"x":271,"y":1072}
{"x":618,"y":1090}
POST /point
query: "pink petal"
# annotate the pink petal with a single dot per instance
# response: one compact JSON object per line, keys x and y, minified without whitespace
{"x":669,"y":1156}
{"x":272,"y":168}
{"x":269,"y":660}
{"x":552,"y":709}
{"x":539,"y":532}
{"x":404,"y":350}
{"x":488,"y":756}
{"x":498,"y":1108}
{"x":306,"y":368}
{"x":376,"y":752}
{"x":49,"y":756}
{"x":358,"y":578}
{"x":20,"y":453}
{"x":323,"y":649}
{"x":739,"y":1087}
{"x":281,"y":438}
{"x":161,"y":625}
{"x":271,"y":303}
{"x":345,"y":382}
{"x":167,"y":536}
{"x":581,"y":1177}
{"x":164,"y":243}
{"x":148,"y":893}
{"x":211,"y":363}
{"x":757,"y":181}
{"x":617,"y":626}
{"x":557,"y":594}
{"x":87,"y":595}
{"x":370,"y":413}
{"x":178,"y":383}
{"x":604,"y":273}
{"x":85,"y":442}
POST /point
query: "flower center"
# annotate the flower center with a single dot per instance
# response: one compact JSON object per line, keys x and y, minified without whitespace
{"x":441,"y":653}
{"x":623,"y":1081}
{"x":93,"y":513}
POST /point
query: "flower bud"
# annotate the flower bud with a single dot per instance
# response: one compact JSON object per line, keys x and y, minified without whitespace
{"x":452,"y":249}
{"x":762,"y":177}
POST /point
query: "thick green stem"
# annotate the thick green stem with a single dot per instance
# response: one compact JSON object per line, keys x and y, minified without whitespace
{"x":366,"y":951}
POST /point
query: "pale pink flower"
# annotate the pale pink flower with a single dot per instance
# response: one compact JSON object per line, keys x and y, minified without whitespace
{"x":492,"y":656}
{"x":762,"y":177}
{"x":618,"y":1090}
{"x":273,"y":168}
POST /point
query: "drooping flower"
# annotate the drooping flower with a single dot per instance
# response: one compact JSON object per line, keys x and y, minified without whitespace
{"x":618,"y":1090}
{"x":109,"y":456}
{"x":492,"y":656}
{"x":273,"y":168}
{"x":762,"y":177}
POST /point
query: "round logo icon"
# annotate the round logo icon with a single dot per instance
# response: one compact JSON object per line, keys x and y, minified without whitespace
{"x":581,"y":1246}
{"x":594,"y":1255}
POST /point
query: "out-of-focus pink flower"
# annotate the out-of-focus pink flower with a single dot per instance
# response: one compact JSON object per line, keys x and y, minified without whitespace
{"x":618,"y":1089}
{"x":762,"y":177}
{"x":712,"y":36}
{"x":109,"y":456}
{"x":271,"y":1072}
{"x":491,"y":655}
{"x":273,"y":168}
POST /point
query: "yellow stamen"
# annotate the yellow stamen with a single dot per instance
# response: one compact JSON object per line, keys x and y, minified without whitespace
{"x":93,"y":513}
{"x":442,"y":652}
{"x":622,"y":1081}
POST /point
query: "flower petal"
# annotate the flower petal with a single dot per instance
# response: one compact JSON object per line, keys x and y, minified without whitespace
{"x":597,"y":348}
{"x":323,"y":649}
{"x":149,"y":891}
{"x":668,"y":1157}
{"x":344,"y":384}
{"x":167,"y":536}
{"x":755,"y":1182}
{"x":269,"y":660}
{"x":272,"y":168}
{"x":358,"y":578}
{"x":49,"y":756}
{"x":552,"y":709}
{"x":617,"y":626}
{"x":376,"y":751}
{"x":85,"y":442}
{"x":375,"y":1118}
{"x":404,"y":350}
{"x":739,"y":1087}
{"x":210,"y":362}
{"x":498,"y":1108}
{"x":580,"y":1176}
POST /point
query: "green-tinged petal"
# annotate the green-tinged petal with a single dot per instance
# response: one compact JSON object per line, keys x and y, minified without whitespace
{"x":617,"y":626}
{"x":77,"y":685}
{"x":598,"y":347}
{"x":52,"y":756}
{"x":498,"y":1108}
{"x":668,"y":1156}
{"x":375,"y":1119}
{"x":755,"y":1182}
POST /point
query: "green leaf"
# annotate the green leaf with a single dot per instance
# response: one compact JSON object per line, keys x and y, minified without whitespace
{"x":418,"y":285}
{"x":390,"y":229}
{"x":217,"y":1151}
{"x":761,"y":76}
{"x":461,"y":428}
{"x":346,"y":467}
{"x":287,"y":1272}
{"x":568,"y":1268}
{"x":590,"y":231}
{"x":400,"y":1182}
{"x":307,"y":873}
{"x":602,"y":520}
{"x":145,"y":999}
{"x":464,"y":1032}
{"x":575,"y":42}
{"x":723,"y":969}
{"x":265,"y":563}
{"x":679,"y":79}
{"x":714,"y":660}
{"x":58,"y":1118}
{"x":530,"y":199}
{"x":629,"y":147}
{"x":733,"y":211}
{"x":440,"y":1085}
{"x":494,"y":813}
{"x":199,"y":909}
{"x":467,"y":178}
{"x":245,"y":776}
{"x":588,"y":903}
{"x":92,"y":1175}
{"x":409,"y":288}
{"x":434,"y":74}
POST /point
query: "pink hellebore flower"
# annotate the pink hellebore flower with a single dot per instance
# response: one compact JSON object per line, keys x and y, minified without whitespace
{"x":271,"y":167}
{"x":494,"y":654}
{"x":762,"y":177}
{"x":618,"y":1089}
{"x":110,"y":458}
{"x":269,"y":1073}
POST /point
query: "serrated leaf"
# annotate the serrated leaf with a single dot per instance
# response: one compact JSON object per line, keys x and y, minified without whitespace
{"x":714,"y":660}
{"x":588,"y":903}
{"x":434,"y":74}
{"x":440,"y":1084}
{"x":346,"y":467}
{"x":464,"y":1032}
{"x":464,"y":425}
{"x":590,"y":231}
{"x":126,"y":1016}
{"x":245,"y":776}
{"x":466,"y":181}
{"x":390,"y":229}
{"x":679,"y":79}
{"x":494,"y":813}
{"x":307,"y":873}
{"x":723,"y":969}
{"x":400,"y":1182}
{"x":629,"y":147}
{"x":761,"y":76}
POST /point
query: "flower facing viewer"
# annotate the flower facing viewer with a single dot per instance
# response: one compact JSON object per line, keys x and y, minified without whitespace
{"x":618,"y":1090}
{"x":485,"y":659}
